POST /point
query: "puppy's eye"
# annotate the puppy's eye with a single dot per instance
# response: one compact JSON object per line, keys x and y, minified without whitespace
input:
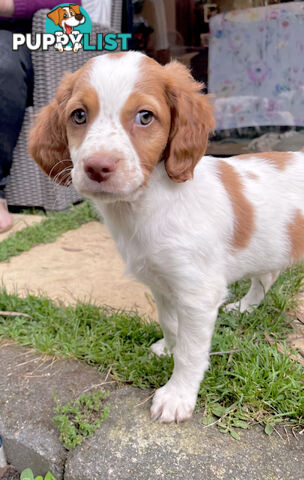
{"x":65,"y":15}
{"x":72,"y":14}
{"x":144,"y":117}
{"x":79,"y":116}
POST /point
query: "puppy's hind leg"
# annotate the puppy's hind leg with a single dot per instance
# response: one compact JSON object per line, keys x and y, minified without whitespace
{"x":259,"y":287}
{"x":168,"y":321}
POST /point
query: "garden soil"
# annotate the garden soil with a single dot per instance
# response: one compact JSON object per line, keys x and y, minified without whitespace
{"x":82,"y":264}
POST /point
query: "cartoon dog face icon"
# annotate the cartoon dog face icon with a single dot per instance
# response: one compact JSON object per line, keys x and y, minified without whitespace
{"x":67,"y":18}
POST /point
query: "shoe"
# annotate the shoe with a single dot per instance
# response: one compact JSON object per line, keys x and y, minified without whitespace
{"x":6,"y":220}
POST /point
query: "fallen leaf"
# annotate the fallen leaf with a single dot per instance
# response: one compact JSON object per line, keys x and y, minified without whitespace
{"x":294,"y":358}
{"x":300,"y":317}
{"x":268,"y":338}
{"x":269,"y":429}
{"x":14,"y":314}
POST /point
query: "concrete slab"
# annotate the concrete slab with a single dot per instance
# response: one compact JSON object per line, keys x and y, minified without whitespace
{"x":131,"y":446}
{"x":27,"y":383}
{"x":128,"y":445}
{"x":82,"y":264}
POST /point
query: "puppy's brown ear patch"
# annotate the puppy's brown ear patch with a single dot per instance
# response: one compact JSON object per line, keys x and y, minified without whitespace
{"x":48,"y":144}
{"x":55,"y":15}
{"x":192,"y":120}
{"x":75,"y":9}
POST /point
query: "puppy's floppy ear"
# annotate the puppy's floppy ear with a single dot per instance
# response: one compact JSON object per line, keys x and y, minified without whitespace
{"x":75,"y":8}
{"x":192,"y":120}
{"x":48,"y":144}
{"x":54,"y":15}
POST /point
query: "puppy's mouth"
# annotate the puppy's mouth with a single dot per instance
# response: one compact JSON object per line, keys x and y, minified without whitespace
{"x":112,"y":187}
{"x":68,"y":29}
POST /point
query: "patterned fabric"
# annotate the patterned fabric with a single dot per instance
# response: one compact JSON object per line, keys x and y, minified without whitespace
{"x":256,"y":66}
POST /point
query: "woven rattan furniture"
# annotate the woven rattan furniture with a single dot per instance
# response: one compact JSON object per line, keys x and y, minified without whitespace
{"x":28,"y":185}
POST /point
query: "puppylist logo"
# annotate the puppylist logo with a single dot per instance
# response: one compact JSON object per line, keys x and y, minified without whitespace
{"x":68,"y":27}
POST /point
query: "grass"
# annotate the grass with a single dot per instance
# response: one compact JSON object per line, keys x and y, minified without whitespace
{"x":255,"y":384}
{"x":80,"y":418}
{"x":48,"y":230}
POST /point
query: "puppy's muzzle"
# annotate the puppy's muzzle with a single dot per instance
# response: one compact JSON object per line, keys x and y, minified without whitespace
{"x":100,"y":168}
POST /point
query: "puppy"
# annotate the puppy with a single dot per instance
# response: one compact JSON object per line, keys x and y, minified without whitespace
{"x":131,"y":135}
{"x":67,"y":18}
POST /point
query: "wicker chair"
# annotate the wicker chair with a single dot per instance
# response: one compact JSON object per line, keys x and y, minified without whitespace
{"x":28,"y":185}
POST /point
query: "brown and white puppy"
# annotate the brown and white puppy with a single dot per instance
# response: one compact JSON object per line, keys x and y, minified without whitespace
{"x":68,"y":18}
{"x":131,"y":134}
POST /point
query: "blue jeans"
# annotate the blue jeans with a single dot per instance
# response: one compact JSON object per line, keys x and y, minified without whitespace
{"x":16,"y":84}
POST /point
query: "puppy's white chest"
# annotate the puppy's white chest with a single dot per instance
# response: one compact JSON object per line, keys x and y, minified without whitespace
{"x":141,"y":257}
{"x":142,"y":261}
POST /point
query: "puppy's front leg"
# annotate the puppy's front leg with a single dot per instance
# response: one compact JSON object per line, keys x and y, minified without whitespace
{"x":197,"y":313}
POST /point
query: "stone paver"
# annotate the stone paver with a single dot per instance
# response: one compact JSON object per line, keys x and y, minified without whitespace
{"x":27,"y":384}
{"x":129,"y":445}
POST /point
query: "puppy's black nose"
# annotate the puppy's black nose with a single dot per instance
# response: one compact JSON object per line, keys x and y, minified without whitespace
{"x":79,"y":16}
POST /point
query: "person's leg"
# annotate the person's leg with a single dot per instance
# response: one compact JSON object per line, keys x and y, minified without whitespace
{"x":16,"y":79}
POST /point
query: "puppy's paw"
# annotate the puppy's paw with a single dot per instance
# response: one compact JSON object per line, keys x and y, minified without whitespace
{"x":231,"y":306}
{"x":77,"y":47}
{"x":59,"y":47}
{"x":160,"y":348}
{"x":241,"y":306}
{"x":172,"y":405}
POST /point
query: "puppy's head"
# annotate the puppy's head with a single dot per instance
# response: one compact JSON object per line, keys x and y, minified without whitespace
{"x":67,"y":17}
{"x":113,"y":120}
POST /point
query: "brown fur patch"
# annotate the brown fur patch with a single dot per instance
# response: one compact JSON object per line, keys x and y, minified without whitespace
{"x":279,"y":160}
{"x":192,"y":120}
{"x":243,"y":209}
{"x":183,"y":119}
{"x":149,"y":94}
{"x":296,"y":235}
{"x":116,"y":55}
{"x":85,"y":98}
{"x":48,"y":143}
